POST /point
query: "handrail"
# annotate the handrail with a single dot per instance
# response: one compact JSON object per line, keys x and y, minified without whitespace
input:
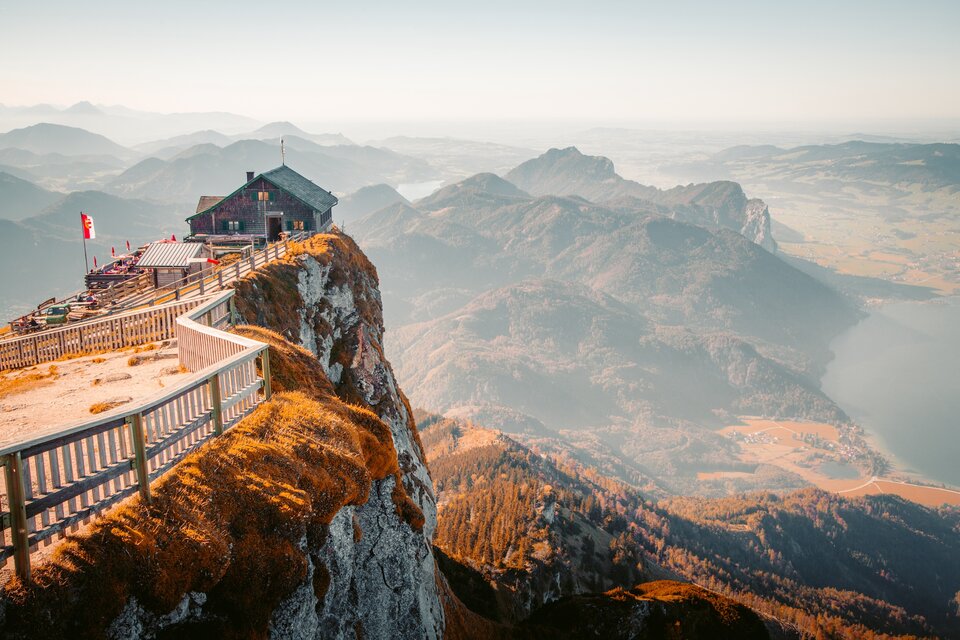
{"x":57,"y":480}
{"x":175,"y":291}
{"x":255,"y":259}
{"x":129,"y":328}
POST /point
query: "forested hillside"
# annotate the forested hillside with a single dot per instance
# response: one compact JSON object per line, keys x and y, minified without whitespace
{"x":810,"y":561}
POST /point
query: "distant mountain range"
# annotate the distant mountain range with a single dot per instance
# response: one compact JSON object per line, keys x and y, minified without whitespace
{"x":45,"y":138}
{"x":207,"y":169}
{"x":573,"y":358}
{"x":931,"y":166}
{"x":21,"y":199}
{"x":170,"y":147}
{"x":484,"y":233}
{"x":459,"y":158}
{"x":716,"y":204}
{"x":367,"y":200}
{"x":617,"y":330}
{"x":129,"y":126}
{"x":180,"y":169}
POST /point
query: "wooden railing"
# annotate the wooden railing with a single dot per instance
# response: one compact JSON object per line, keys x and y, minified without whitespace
{"x":205,"y":282}
{"x":55,"y":481}
{"x":47,"y":345}
{"x":103,"y":334}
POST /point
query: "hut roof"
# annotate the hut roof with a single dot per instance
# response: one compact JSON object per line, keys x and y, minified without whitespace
{"x":208,"y":201}
{"x":170,"y":254}
{"x":288,"y":180}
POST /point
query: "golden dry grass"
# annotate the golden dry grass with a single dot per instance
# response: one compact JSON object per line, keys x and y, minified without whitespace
{"x":927,"y":496}
{"x":101,"y":407}
{"x":16,"y":382}
{"x":227,"y":520}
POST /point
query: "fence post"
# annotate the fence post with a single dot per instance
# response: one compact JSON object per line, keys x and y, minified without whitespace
{"x":220,"y":279}
{"x":216,"y":404}
{"x":202,"y":291}
{"x":140,"y":455}
{"x":16,"y":501}
{"x":233,"y":311}
{"x":253,"y":262}
{"x":265,"y":363}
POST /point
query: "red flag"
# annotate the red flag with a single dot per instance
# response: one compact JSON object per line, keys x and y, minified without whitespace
{"x":213,"y":261}
{"x":173,"y":238}
{"x":128,"y":245}
{"x":94,"y":262}
{"x":113,"y":252}
{"x":89,"y":233}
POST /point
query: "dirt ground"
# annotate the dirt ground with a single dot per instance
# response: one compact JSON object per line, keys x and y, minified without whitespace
{"x":52,"y":396}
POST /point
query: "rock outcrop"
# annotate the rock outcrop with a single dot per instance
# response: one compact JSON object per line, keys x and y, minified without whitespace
{"x":311,"y":518}
{"x":384,"y":579}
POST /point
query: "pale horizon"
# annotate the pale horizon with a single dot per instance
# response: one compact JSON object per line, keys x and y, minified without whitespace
{"x":627,"y":63}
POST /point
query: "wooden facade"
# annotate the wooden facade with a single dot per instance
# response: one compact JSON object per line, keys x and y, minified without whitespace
{"x":267,"y":205}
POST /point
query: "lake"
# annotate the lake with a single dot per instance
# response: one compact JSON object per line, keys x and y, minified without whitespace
{"x":897,"y":373}
{"x":417,"y":190}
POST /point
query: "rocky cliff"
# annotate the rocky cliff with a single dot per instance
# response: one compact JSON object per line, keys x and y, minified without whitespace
{"x":312,"y":518}
{"x":384,"y":579}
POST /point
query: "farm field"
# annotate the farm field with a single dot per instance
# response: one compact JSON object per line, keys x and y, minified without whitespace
{"x":814,"y":451}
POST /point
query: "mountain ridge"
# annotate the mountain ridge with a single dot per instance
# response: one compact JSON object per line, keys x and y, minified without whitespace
{"x":718,"y":204}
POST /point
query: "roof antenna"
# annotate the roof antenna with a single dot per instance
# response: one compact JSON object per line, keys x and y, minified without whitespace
{"x":283,"y":154}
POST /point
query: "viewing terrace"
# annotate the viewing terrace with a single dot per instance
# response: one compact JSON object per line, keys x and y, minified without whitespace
{"x":95,"y":411}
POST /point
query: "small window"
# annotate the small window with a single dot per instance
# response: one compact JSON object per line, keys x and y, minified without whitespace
{"x":232,"y":225}
{"x":298,"y":225}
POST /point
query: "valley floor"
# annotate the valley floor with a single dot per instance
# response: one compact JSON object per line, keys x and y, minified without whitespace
{"x":816,"y":453}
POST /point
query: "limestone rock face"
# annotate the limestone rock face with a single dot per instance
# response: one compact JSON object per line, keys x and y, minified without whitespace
{"x":756,"y":225}
{"x":373,"y":574}
{"x":381,"y":570}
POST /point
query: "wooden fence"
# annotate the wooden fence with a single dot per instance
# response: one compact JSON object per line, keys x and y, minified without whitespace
{"x":106,"y":333}
{"x":48,"y":345}
{"x":58,"y":480}
{"x":206,"y":282}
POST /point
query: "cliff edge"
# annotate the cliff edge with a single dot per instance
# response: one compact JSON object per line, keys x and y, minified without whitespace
{"x":312,"y":517}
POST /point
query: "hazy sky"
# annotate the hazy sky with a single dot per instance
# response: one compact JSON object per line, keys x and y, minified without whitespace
{"x":401,"y":60}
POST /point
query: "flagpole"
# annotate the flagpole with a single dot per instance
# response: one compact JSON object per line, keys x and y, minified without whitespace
{"x":86,"y":263}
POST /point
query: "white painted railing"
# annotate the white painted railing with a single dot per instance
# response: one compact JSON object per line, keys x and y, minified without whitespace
{"x":122,"y":328}
{"x":57,"y":480}
{"x":103,"y":334}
